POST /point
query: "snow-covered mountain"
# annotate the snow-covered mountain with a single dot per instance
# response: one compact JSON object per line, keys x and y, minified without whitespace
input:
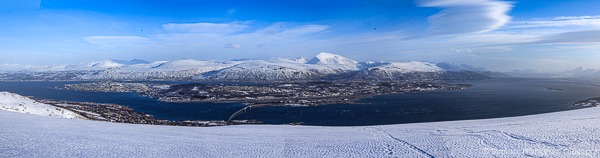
{"x":530,"y":73}
{"x":333,"y":61}
{"x":300,"y":60}
{"x":15,"y":67}
{"x":265,"y":70}
{"x":462,"y":67}
{"x":97,"y":65}
{"x":415,"y":70}
{"x":276,"y":69}
{"x":406,"y":67}
{"x":177,"y":69}
{"x":400,"y":71}
{"x":16,"y":103}
{"x":322,"y":66}
{"x":582,"y":72}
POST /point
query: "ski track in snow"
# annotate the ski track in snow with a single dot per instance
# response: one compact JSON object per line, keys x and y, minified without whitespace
{"x":524,"y":138}
{"x":562,"y":134}
{"x":409,"y":145}
{"x":393,"y":146}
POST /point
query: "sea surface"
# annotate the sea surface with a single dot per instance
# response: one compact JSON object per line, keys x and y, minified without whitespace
{"x":486,"y":99}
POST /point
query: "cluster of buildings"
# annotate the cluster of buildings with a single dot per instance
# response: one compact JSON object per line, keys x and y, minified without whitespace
{"x":300,"y":93}
{"x":123,"y":114}
{"x":255,"y":95}
{"x":306,"y":93}
{"x":593,"y":102}
{"x":144,"y":88}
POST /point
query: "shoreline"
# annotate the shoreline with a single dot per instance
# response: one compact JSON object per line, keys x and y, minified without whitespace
{"x":123,"y":114}
{"x":279,"y":117}
{"x":129,"y":115}
{"x":291,"y":93}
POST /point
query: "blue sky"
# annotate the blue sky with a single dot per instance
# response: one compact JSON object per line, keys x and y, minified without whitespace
{"x":500,"y":35}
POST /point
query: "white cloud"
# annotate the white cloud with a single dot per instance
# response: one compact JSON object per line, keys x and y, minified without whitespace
{"x":506,"y":64}
{"x":467,"y":16}
{"x":114,"y":41}
{"x":562,"y":21}
{"x":575,"y":37}
{"x":488,"y":49}
{"x":233,"y":45}
{"x":285,"y":30}
{"x":262,"y":45}
{"x":302,"y":30}
{"x":208,"y":38}
{"x":207,"y":28}
{"x":504,"y":39}
{"x":576,"y":17}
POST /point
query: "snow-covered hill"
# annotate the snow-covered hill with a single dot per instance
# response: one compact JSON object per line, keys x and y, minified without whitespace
{"x":177,"y":69}
{"x":582,"y":73}
{"x":16,"y":103}
{"x":415,"y":70}
{"x":322,"y":66}
{"x":562,"y":134}
{"x":462,"y":67}
{"x":266,"y":71}
{"x":406,"y":67}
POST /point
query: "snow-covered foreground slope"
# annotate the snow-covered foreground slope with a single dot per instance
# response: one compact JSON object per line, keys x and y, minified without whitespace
{"x":16,"y":103}
{"x":562,"y":134}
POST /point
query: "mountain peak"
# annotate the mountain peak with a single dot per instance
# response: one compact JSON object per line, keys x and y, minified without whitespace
{"x":301,"y":60}
{"x":332,"y":59}
{"x":111,"y":63}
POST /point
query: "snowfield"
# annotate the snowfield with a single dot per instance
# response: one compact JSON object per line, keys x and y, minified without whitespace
{"x":16,"y":103}
{"x":573,"y":133}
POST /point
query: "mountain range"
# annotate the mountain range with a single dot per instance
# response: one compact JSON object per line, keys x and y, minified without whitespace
{"x":322,"y":66}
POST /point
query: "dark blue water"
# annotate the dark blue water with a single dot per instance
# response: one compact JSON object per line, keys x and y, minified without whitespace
{"x":486,"y":99}
{"x":162,"y":110}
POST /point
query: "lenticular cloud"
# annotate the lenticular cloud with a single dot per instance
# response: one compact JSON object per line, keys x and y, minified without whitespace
{"x":467,"y":16}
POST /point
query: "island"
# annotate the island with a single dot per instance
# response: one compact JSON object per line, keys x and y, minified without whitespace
{"x":554,"y":89}
{"x":296,"y":94}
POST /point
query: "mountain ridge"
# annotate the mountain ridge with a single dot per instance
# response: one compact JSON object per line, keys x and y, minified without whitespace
{"x":323,"y":66}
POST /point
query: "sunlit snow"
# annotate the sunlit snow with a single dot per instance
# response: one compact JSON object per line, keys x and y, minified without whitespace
{"x":562,"y":134}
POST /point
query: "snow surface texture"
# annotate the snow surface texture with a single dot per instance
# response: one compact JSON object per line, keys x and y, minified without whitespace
{"x":16,"y":103}
{"x":563,"y":134}
{"x":323,"y":64}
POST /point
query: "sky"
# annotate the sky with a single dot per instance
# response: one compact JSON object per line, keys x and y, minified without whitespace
{"x":548,"y":35}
